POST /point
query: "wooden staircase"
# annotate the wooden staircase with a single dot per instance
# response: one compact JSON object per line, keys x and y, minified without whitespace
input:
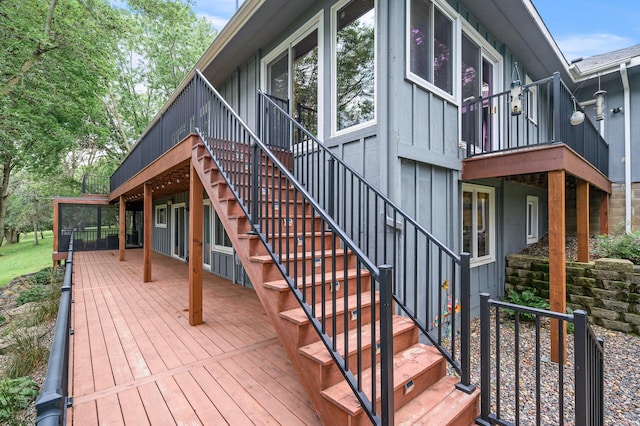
{"x":423,"y":393}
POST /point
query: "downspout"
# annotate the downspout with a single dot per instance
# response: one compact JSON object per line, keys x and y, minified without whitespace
{"x":627,"y":147}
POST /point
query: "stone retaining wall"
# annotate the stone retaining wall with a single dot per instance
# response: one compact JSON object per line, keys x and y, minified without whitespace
{"x":608,"y":289}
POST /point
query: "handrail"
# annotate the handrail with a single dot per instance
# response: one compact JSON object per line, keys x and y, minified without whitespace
{"x":53,"y":401}
{"x":413,"y":252}
{"x":489,"y":126}
{"x":588,"y":368}
{"x":273,"y":216}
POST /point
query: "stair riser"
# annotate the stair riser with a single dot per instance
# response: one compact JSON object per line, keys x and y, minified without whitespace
{"x":307,"y":334}
{"x":330,"y":374}
{"x":287,"y":299}
{"x":420,"y":384}
{"x":291,"y":245}
{"x":310,"y":266}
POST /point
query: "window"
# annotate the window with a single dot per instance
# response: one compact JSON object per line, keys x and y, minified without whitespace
{"x":431,"y":45}
{"x":292,"y":79}
{"x":221,"y":241}
{"x":532,"y":101}
{"x":532,"y":219}
{"x":431,"y":51}
{"x":478,"y":223}
{"x":354,"y":62}
{"x":161,"y":216}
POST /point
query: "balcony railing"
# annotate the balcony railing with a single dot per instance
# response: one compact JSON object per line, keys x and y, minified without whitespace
{"x":95,"y":184}
{"x":488,"y":125}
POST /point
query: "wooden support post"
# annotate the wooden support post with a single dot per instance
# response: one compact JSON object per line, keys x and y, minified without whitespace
{"x":195,"y":247}
{"x":604,"y":213}
{"x":146,"y":251}
{"x":122,"y":242}
{"x":557,"y":260}
{"x":582,"y":211}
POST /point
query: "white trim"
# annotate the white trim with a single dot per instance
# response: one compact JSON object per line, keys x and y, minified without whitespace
{"x":491,"y":220}
{"x":450,"y":13}
{"x":207,"y":203}
{"x":532,"y":109}
{"x":174,"y":224}
{"x":214,"y":246}
{"x":158,"y":224}
{"x":532,"y":216}
{"x":333,"y":74}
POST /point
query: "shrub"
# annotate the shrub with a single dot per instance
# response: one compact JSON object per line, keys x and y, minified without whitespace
{"x":625,"y":246}
{"x":526,"y":298}
{"x":35,"y":293}
{"x":15,"y":395}
{"x":47,"y":276}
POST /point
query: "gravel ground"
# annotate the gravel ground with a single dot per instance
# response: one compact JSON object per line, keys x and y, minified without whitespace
{"x":622,"y":375}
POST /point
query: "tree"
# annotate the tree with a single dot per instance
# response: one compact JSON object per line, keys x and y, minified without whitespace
{"x":51,"y":88}
{"x":162,"y":41}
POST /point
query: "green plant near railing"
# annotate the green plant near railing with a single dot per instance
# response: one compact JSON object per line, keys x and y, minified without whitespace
{"x":47,"y":276}
{"x":526,"y":298}
{"x":28,"y":353}
{"x":35,"y":293}
{"x":625,"y":246}
{"x":15,"y":395}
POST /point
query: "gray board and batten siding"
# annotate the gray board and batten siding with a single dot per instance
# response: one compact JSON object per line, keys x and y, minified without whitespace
{"x":412,"y":151}
{"x":222,"y":263}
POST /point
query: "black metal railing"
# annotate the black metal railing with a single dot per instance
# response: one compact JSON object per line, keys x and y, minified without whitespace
{"x":432,"y":283}
{"x":167,"y":130}
{"x":52,"y":403}
{"x":488,"y":125}
{"x":89,"y":239}
{"x":323,"y":267}
{"x":511,"y":397}
{"x":95,"y":184}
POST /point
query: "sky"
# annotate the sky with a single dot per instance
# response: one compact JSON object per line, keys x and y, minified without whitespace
{"x":581,"y":28}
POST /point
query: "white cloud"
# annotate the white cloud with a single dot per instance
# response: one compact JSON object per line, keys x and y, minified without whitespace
{"x":585,"y":45}
{"x":218,"y":22}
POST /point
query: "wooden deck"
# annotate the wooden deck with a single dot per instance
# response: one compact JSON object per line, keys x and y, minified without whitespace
{"x":135,"y":360}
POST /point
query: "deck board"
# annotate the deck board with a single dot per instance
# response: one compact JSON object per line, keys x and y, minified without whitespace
{"x":136,"y":360}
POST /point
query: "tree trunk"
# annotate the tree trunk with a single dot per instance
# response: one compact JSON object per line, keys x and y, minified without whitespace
{"x":35,"y":231}
{"x":4,"y":192}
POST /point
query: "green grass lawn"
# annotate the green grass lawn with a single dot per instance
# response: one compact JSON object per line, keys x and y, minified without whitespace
{"x":24,"y":257}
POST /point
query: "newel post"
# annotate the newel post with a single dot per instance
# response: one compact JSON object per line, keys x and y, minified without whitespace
{"x":386,"y":345}
{"x":465,"y":326}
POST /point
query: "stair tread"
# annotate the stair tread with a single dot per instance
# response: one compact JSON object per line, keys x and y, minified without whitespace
{"x":266,"y":258}
{"x":290,"y":235}
{"x":438,"y":405}
{"x":283,"y":285}
{"x":407,"y":364}
{"x":299,"y":317}
{"x":318,"y":352}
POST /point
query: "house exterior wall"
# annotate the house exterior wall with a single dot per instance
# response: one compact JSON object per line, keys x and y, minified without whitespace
{"x":614,"y":133}
{"x":222,"y":263}
{"x":412,"y":152}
